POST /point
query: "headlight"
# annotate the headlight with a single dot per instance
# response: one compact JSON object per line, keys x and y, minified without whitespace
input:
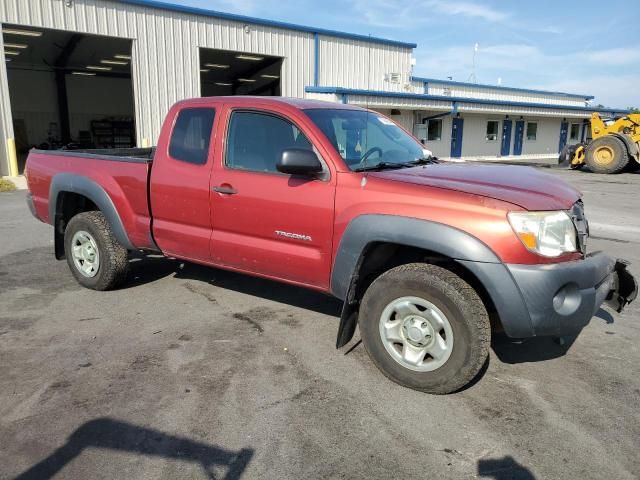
{"x":546,"y":233}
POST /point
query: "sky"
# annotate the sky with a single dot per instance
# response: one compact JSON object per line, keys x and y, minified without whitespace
{"x":583,"y":47}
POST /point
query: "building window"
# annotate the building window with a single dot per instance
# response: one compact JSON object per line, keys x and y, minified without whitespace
{"x":532,"y":131}
{"x":574,"y":133}
{"x":434,"y":130}
{"x":256,"y":141}
{"x":492,"y":131}
{"x":191,"y":135}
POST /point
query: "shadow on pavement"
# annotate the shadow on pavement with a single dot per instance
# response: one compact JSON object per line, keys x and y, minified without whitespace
{"x":536,"y":349}
{"x":150,"y":268}
{"x":109,"y":434}
{"x":505,"y":468}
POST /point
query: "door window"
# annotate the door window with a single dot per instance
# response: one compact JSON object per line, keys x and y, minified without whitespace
{"x":256,"y":141}
{"x":191,"y":135}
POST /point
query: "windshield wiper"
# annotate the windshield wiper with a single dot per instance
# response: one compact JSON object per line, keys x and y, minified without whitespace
{"x":380,"y":166}
{"x":423,"y":161}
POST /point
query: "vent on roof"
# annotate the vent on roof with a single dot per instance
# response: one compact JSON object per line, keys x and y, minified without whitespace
{"x":446,"y":91}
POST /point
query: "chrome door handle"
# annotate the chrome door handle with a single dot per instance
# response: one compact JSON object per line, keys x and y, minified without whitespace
{"x":227,"y":190}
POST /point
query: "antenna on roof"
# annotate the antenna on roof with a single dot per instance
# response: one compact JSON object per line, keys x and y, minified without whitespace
{"x":472,"y":77}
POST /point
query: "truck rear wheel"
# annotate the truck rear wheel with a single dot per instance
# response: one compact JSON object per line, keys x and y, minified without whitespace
{"x":607,"y":154}
{"x":94,"y":256}
{"x":425,"y":328}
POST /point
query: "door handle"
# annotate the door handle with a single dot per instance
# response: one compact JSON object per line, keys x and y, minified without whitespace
{"x":225,"y":189}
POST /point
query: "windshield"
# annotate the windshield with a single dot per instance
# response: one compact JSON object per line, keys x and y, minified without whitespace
{"x":365,"y":139}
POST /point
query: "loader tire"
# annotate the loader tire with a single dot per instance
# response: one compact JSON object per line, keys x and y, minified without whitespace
{"x":607,"y":155}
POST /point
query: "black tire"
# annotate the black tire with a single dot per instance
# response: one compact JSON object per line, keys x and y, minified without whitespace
{"x":113,"y":258}
{"x":455,"y":298}
{"x":614,"y":159}
{"x":566,"y":155}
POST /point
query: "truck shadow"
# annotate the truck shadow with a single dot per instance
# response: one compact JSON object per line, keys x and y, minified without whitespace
{"x":505,"y":468}
{"x":115,"y":435}
{"x":536,"y":349}
{"x":150,"y":268}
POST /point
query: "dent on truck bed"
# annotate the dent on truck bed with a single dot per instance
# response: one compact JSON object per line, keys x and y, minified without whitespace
{"x":67,"y":182}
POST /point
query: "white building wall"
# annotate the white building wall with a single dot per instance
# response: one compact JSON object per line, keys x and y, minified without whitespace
{"x":440,"y":148}
{"x":474,"y":133}
{"x":547,"y":139}
{"x":499,"y":94}
{"x":363,"y":65}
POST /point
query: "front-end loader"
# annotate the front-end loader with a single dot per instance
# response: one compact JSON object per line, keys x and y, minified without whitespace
{"x":614,"y":146}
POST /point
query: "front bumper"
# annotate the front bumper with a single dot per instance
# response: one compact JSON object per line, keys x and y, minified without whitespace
{"x":561,"y":298}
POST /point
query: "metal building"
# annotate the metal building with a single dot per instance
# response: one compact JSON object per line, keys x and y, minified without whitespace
{"x":103,"y":73}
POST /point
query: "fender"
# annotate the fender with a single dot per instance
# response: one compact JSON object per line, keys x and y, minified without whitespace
{"x":442,"y":239}
{"x":632,"y":147}
{"x":67,"y":182}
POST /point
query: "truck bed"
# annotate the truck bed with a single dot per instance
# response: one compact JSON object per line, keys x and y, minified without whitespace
{"x":122,"y":173}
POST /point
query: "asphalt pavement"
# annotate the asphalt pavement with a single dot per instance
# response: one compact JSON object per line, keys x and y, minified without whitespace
{"x":192,"y":372}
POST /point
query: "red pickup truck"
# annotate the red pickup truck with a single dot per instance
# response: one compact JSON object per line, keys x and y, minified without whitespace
{"x":429,"y":257}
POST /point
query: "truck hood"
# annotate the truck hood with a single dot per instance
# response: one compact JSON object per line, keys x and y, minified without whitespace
{"x":526,"y":187}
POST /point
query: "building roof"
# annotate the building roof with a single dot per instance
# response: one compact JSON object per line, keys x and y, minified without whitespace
{"x":261,"y":21}
{"x":482,"y":101}
{"x":500,"y":87}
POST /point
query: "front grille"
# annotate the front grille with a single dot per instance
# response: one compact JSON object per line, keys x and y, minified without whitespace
{"x":581,"y":223}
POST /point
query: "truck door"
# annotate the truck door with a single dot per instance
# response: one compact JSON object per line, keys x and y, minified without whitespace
{"x":505,"y":149}
{"x":264,"y":221}
{"x":517,"y":141}
{"x":456,"y":137}
{"x":179,"y":185}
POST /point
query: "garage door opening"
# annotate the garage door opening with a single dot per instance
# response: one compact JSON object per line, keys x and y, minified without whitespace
{"x":224,"y":72}
{"x":68,"y":90}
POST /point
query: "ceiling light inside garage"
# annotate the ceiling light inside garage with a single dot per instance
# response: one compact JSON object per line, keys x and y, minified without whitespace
{"x":216,"y":65}
{"x":15,"y":45}
{"x":114,"y":62}
{"x":270,"y":76}
{"x":203,"y":70}
{"x":94,"y":67}
{"x":222,"y":84}
{"x":88,"y":74}
{"x":246,"y":80}
{"x":26,"y":33}
{"x":122,"y":57}
{"x":11,"y":52}
{"x":249,"y":57}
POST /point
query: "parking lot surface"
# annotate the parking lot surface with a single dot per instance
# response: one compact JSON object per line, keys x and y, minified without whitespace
{"x":192,"y":372}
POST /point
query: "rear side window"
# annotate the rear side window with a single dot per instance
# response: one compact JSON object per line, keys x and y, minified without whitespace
{"x":191,"y":135}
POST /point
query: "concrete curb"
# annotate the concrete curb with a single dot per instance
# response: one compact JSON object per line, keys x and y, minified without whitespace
{"x":20,"y":181}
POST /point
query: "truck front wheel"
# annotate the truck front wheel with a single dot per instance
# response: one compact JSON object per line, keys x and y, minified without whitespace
{"x":94,"y":256}
{"x":425,"y":328}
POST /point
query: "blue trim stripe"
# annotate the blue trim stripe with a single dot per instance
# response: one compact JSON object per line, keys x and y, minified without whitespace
{"x":421,"y":96}
{"x":261,"y":21}
{"x":498,"y":87}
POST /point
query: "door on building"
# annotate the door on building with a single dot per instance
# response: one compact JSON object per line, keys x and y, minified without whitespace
{"x":505,"y":149}
{"x":517,"y":141}
{"x":456,"y":137}
{"x":564,"y":128}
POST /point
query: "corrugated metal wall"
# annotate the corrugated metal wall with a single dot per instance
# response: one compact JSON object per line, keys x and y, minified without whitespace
{"x":502,"y":95}
{"x":165,"y":53}
{"x":359,"y":64}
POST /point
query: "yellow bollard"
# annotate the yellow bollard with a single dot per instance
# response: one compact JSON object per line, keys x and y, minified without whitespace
{"x":13,"y":158}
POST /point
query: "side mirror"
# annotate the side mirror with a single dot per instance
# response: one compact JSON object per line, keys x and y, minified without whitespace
{"x":299,"y":161}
